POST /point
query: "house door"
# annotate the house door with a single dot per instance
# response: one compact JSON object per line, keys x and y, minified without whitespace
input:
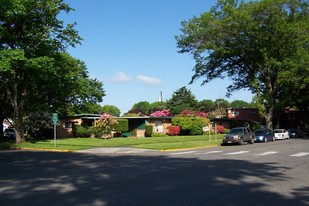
{"x":159,"y":126}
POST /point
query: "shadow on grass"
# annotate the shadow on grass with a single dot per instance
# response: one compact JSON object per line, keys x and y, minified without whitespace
{"x":46,"y":178}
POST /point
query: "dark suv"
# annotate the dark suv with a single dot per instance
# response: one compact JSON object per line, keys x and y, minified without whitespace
{"x":239,"y":135}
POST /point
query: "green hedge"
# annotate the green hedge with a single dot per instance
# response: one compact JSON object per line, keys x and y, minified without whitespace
{"x":122,"y":126}
{"x":148,"y":130}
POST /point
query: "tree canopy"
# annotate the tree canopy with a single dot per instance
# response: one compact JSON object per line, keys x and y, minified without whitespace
{"x":259,"y":45}
{"x":142,"y":107}
{"x":111,"y":109}
{"x":35,"y":71}
{"x":180,"y":100}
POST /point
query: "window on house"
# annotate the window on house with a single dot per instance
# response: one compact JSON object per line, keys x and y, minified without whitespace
{"x":68,"y":125}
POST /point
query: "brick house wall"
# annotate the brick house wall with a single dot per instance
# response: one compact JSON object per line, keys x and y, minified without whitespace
{"x":247,"y":114}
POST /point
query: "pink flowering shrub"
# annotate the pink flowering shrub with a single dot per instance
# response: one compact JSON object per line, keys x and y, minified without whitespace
{"x":187,"y":112}
{"x":106,"y":124}
{"x":190,"y":113}
{"x":201,"y":114}
{"x":162,"y":113}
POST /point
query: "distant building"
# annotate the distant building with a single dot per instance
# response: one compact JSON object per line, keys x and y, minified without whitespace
{"x":237,"y":117}
{"x":246,"y":114}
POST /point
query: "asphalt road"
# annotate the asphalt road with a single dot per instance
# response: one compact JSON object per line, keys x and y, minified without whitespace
{"x":259,"y":174}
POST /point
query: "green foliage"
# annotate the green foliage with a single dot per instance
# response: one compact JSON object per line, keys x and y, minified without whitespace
{"x":142,"y":107}
{"x":262,"y":46}
{"x":37,"y":124}
{"x":239,"y":104}
{"x":122,"y":126}
{"x":158,"y":135}
{"x":181,"y":99}
{"x":111,"y":109}
{"x":131,"y":115}
{"x":35,"y":71}
{"x":192,"y":124}
{"x":158,"y":106}
{"x":148,"y":130}
{"x":82,"y":131}
{"x":206,"y":105}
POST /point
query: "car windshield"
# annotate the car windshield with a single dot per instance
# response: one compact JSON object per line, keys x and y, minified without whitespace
{"x":236,"y":130}
{"x":260,"y":132}
{"x":278,"y":131}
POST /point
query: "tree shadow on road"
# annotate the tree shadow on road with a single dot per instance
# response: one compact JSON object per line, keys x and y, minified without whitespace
{"x":38,"y":178}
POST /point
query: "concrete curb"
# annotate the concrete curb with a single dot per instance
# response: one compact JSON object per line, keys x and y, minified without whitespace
{"x":47,"y":150}
{"x":183,"y":149}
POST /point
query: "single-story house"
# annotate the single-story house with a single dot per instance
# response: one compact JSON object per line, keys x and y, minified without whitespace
{"x":137,"y":125}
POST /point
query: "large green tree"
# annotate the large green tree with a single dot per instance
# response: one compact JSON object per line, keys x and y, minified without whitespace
{"x":111,"y":109}
{"x":239,"y":104}
{"x":259,"y":45}
{"x":34,"y":68}
{"x":181,"y":99}
{"x":206,"y":105}
{"x":142,"y":107}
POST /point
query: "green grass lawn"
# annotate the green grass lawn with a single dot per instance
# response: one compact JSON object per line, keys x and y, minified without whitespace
{"x":156,"y":143}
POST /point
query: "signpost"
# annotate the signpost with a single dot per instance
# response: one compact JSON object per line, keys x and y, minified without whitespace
{"x":55,"y":120}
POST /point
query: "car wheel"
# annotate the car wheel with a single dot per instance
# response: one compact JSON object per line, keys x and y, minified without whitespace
{"x":251,"y":141}
{"x":241,"y":141}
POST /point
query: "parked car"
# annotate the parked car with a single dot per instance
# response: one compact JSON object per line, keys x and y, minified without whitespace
{"x":305,"y":132}
{"x":239,"y":135}
{"x":9,"y":133}
{"x":281,"y":134}
{"x":295,"y":133}
{"x":264,"y":135}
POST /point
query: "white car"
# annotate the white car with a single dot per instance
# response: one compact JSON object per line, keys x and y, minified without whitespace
{"x":281,"y":134}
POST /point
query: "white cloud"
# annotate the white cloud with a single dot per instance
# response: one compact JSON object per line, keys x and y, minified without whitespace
{"x":149,"y":80}
{"x":120,"y":77}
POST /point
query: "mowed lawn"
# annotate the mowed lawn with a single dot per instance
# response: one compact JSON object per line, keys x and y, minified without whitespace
{"x":155,"y":143}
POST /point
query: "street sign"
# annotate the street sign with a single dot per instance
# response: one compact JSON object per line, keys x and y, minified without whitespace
{"x":55,"y":118}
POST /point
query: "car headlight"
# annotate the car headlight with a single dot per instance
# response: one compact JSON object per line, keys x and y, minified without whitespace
{"x":236,"y":137}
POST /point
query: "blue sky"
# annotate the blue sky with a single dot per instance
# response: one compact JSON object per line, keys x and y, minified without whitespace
{"x":130,"y":46}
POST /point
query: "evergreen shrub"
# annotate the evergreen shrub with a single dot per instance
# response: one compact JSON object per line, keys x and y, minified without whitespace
{"x":148,"y":130}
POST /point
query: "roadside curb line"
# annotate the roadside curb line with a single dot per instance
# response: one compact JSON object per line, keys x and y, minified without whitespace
{"x":183,"y":149}
{"x":47,"y":150}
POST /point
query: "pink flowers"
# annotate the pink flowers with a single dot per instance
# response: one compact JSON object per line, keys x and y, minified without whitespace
{"x":162,"y":113}
{"x":190,"y":113}
{"x":106,"y":122}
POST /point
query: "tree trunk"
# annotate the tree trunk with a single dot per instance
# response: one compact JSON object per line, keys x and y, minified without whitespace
{"x":269,"y":119}
{"x":19,"y":124}
{"x":267,"y":108}
{"x":17,"y":99}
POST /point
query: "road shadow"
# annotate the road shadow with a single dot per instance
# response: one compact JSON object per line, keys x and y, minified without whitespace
{"x":51,"y":178}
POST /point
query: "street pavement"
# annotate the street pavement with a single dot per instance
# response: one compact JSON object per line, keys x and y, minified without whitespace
{"x":274,"y":173}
